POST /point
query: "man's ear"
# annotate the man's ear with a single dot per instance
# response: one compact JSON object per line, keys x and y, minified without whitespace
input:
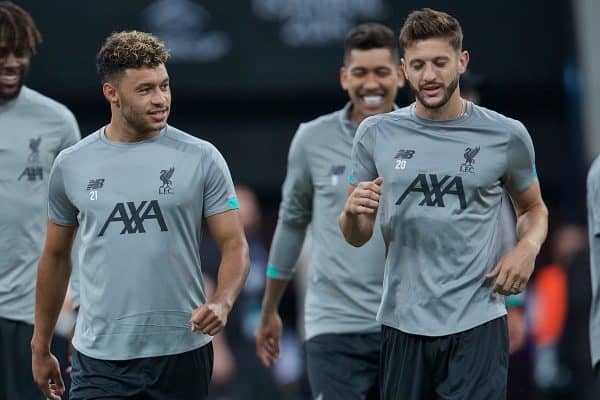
{"x":110,"y":93}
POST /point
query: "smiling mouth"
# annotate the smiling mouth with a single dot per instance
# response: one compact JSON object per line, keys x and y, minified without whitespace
{"x":159,"y":112}
{"x":9,"y":78}
{"x":373,"y":100}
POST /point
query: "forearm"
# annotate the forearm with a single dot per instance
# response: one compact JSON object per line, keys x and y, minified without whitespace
{"x":532,"y":225}
{"x":51,"y":286}
{"x":273,"y":293}
{"x":285,"y":250}
{"x":233,"y":270}
{"x":357,"y":228}
{"x":283,"y":257}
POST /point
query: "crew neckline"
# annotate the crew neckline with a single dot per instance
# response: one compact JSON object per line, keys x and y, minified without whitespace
{"x":445,"y":122}
{"x":106,"y":140}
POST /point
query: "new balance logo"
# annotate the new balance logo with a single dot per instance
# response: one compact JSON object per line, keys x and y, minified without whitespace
{"x":337,"y":170}
{"x":404,"y":154}
{"x":335,"y":173}
{"x":434,"y":190}
{"x":401,"y":157}
{"x":133,"y":216}
{"x":94,"y":184}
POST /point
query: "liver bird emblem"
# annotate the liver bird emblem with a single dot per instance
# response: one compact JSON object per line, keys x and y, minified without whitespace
{"x":165,"y":177}
{"x":470,"y":154}
{"x":34,"y":145}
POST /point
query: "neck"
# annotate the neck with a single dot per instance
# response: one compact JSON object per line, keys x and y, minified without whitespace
{"x":119,"y":130}
{"x":453,"y":109}
{"x":357,"y":117}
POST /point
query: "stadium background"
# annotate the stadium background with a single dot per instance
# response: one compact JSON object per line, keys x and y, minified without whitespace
{"x":245,"y":73}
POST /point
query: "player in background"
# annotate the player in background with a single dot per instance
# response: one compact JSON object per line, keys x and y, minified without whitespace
{"x":345,"y":283}
{"x":33,"y":130}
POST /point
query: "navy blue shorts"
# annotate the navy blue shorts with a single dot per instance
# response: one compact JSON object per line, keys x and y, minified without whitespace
{"x":179,"y":376}
{"x":16,"y":378}
{"x":469,"y":365}
{"x":344,"y":366}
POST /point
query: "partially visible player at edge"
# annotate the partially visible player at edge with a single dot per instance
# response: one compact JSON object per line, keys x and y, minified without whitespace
{"x":344,"y":285}
{"x":593,"y":204}
{"x":444,"y":329}
{"x":33,"y":130}
{"x":138,"y":191}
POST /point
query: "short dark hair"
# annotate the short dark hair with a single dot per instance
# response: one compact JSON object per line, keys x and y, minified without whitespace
{"x":130,"y":49}
{"x":371,"y":36}
{"x":18,"y":31}
{"x":427,"y":24}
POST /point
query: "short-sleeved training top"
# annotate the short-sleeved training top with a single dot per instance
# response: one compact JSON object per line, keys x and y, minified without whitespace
{"x":345,"y":283}
{"x":139,"y":207}
{"x":33,"y":130}
{"x":593,"y":202}
{"x":440,"y":211}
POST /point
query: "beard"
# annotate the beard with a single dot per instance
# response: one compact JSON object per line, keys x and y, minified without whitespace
{"x":135,"y":119}
{"x":448,"y":91}
{"x":10,"y":94}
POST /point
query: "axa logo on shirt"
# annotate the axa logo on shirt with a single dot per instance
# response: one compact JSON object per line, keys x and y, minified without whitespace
{"x":131,"y":217}
{"x":434,"y":189}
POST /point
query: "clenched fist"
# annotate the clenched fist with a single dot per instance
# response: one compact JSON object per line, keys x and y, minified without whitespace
{"x":210,"y":318}
{"x":364,"y":199}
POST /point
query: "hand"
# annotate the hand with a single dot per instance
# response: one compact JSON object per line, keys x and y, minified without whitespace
{"x":364,"y":199}
{"x":46,"y":374}
{"x":514,"y":269}
{"x":210,"y":318}
{"x":268,"y":337}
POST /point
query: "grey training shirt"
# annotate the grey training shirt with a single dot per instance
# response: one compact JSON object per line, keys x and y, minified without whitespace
{"x":139,"y":207}
{"x":440,"y":212}
{"x":593,"y":201}
{"x":33,"y":130}
{"x":345,"y":283}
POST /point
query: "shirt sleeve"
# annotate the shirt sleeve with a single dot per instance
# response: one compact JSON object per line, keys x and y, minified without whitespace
{"x":363,"y":163}
{"x":520,"y":170}
{"x":219,"y":192}
{"x":593,"y":197}
{"x":71,"y":131}
{"x":61,"y":210}
{"x":295,"y":211}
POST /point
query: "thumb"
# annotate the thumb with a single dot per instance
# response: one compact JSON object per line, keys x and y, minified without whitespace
{"x":378,"y":181}
{"x":494,"y":272}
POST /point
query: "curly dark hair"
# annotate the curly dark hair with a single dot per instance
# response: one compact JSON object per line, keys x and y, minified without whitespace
{"x":427,"y":24}
{"x":131,"y":49}
{"x":18,"y":31}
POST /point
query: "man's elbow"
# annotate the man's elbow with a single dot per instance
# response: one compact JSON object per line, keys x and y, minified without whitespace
{"x":538,"y":209}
